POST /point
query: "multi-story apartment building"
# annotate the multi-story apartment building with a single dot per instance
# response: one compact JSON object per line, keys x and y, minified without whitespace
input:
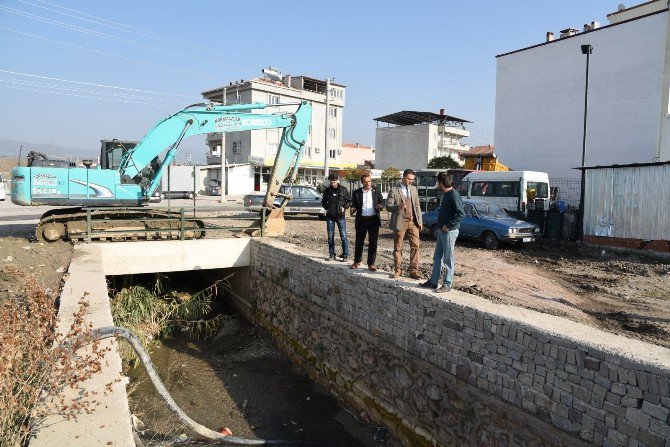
{"x":412,"y":139}
{"x":358,"y":155}
{"x":257,"y":149}
{"x":540,"y":95}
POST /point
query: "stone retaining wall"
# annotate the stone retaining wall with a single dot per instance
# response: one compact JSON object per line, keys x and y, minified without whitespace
{"x":458,"y":369}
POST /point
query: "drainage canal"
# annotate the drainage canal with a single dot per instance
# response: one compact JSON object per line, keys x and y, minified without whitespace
{"x":224,"y":372}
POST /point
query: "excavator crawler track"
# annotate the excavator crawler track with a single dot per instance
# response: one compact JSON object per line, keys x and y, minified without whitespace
{"x":115,"y":225}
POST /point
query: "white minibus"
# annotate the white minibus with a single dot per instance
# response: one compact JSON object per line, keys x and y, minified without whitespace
{"x":2,"y":188}
{"x":516,"y":191}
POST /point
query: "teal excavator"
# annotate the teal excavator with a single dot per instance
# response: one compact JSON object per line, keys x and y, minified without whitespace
{"x":133,"y":183}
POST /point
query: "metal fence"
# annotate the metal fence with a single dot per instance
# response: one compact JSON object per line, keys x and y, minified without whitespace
{"x":168,"y":223}
{"x":566,"y":190}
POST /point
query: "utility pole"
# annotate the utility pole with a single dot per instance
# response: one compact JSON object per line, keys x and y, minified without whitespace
{"x":20,"y":150}
{"x":586,"y":50}
{"x":325,"y":146}
{"x":222,"y":188}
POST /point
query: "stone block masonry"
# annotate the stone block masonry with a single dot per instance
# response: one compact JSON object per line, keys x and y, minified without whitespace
{"x":458,"y":369}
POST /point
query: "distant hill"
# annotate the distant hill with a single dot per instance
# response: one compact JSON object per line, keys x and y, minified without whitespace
{"x":10,"y":148}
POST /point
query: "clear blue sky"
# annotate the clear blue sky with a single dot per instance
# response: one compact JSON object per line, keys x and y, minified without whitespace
{"x":159,"y":55}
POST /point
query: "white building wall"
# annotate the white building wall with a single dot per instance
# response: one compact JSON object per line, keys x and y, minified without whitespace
{"x":241,"y":179}
{"x":403,"y":147}
{"x":540,"y":99}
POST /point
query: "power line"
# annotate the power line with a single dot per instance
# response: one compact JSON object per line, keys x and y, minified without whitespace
{"x":106,"y":36}
{"x":103,"y":53}
{"x":79,"y":90}
{"x":134,"y":30}
{"x":89,"y":83}
{"x":139,"y":31}
{"x":80,"y":96}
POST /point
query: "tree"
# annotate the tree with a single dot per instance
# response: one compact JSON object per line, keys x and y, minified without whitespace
{"x":390,"y":174}
{"x":443,"y":163}
{"x":354,"y":174}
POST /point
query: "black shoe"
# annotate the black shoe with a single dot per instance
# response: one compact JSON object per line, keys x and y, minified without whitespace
{"x":344,"y":258}
{"x":428,"y":285}
{"x":444,"y":289}
{"x":330,"y":258}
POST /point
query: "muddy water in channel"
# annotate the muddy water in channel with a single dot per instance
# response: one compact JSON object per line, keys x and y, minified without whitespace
{"x":241,"y":381}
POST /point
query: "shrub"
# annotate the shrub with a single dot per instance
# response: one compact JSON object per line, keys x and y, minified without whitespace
{"x":35,"y":366}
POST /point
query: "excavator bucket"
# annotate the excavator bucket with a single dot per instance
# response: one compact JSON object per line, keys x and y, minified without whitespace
{"x":275,"y":225}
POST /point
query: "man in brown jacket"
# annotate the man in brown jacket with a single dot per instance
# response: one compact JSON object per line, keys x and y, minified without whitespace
{"x":403,"y":204}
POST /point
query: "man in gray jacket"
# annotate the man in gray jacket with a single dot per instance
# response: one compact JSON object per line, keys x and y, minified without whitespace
{"x":403,"y":204}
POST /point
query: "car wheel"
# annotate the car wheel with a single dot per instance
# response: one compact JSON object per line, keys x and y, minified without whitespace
{"x":435,"y":231}
{"x":490,"y":240}
{"x":322,"y":217}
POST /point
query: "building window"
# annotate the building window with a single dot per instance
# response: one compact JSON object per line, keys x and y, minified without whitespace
{"x":273,"y":99}
{"x":331,"y":132}
{"x":332,"y":112}
{"x":306,"y":151}
{"x":331,"y":153}
{"x":272,"y":149}
{"x":237,"y":147}
{"x":336,"y":93}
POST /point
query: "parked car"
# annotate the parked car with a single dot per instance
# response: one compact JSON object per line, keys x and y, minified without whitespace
{"x":489,"y":223}
{"x":215,"y":187}
{"x":305,"y":200}
{"x":178,"y":194}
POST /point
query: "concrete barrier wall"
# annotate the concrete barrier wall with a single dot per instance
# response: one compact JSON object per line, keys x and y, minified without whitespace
{"x":458,"y":369}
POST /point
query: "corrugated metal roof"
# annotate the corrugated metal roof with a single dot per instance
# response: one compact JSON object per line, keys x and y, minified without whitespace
{"x":629,"y":165}
{"x":410,"y":117}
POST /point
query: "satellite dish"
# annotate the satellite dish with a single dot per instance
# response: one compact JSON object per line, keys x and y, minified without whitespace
{"x":272,"y":73}
{"x":621,"y":7}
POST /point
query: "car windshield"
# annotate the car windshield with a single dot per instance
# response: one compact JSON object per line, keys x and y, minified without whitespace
{"x":490,"y":210}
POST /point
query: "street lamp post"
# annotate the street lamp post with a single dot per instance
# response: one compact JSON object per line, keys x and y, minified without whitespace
{"x":587,"y":50}
{"x":326,"y":145}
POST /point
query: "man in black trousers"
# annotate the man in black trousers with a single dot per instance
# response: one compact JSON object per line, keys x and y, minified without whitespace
{"x":366,"y":204}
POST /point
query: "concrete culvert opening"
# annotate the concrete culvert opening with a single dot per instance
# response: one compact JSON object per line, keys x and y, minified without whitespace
{"x":232,"y":377}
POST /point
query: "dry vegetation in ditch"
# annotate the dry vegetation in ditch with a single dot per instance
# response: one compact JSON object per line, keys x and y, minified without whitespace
{"x":35,"y":367}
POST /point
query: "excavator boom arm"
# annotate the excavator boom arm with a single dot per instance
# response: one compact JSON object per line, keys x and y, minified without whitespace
{"x":208,"y":119}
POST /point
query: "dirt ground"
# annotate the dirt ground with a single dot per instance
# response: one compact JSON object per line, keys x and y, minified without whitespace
{"x":47,"y":262}
{"x":627,"y":294}
{"x":624,"y":293}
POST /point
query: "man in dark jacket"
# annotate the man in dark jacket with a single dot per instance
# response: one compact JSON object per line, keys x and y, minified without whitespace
{"x":448,"y":221}
{"x":366,"y":204}
{"x":336,"y":201}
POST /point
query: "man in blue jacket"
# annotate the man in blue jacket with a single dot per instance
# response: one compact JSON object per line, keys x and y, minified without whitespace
{"x":448,"y":221}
